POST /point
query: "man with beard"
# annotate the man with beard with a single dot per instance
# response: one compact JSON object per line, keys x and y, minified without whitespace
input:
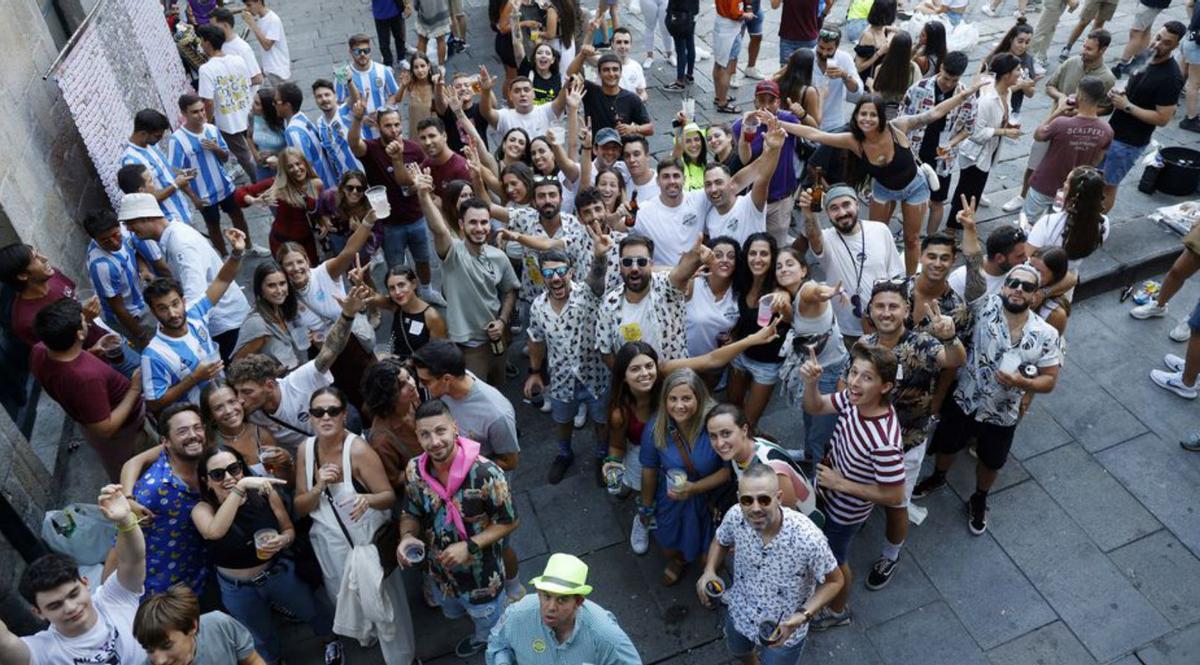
{"x":479,"y":284}
{"x":562,"y":619}
{"x":859,"y":253}
{"x":166,"y":492}
{"x":1013,"y":351}
{"x":443,"y":164}
{"x":459,"y":501}
{"x":740,"y":216}
{"x":1005,"y":248}
{"x":608,"y":104}
{"x":548,"y":222}
{"x":562,"y":331}
{"x":168,"y":188}
{"x":922,"y":358}
{"x":835,"y":74}
{"x":673,"y":221}
{"x":333,"y":128}
{"x":784,"y":572}
{"x":649,"y":306}
{"x":199,"y":269}
{"x":373,"y":81}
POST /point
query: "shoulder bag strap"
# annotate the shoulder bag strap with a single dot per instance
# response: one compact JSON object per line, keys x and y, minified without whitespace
{"x":683,"y":450}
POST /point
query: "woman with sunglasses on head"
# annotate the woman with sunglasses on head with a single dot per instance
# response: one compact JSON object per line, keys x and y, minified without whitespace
{"x":755,"y":371}
{"x":225,"y":416}
{"x":392,"y":398}
{"x":292,"y":195}
{"x":246,"y":527}
{"x":343,"y":210}
{"x":273,"y":327}
{"x":341,"y":483}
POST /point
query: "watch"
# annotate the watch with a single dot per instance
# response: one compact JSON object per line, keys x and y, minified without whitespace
{"x":472,"y":547}
{"x":1128,"y":107}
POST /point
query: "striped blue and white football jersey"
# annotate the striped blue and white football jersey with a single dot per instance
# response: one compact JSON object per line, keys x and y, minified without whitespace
{"x":377,"y":85}
{"x":333,"y":134}
{"x":301,"y":134}
{"x":212,"y":183}
{"x":168,"y":360}
{"x":175,"y":207}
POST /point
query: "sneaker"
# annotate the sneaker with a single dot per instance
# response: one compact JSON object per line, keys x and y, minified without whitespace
{"x":702,"y":53}
{"x":881,"y":573}
{"x":1023,"y":222}
{"x":977,"y":514}
{"x":1119,"y":69}
{"x":1013,"y":204}
{"x":558,"y":468}
{"x":1149,"y":310}
{"x":827,"y":619}
{"x":1190,"y":124}
{"x":932,"y":483}
{"x":985,"y":201}
{"x":753,"y":73}
{"x":647,"y":63}
{"x":1181,"y":332}
{"x":1173,"y":362}
{"x":546,"y":407}
{"x":1192,"y":443}
{"x":639,"y":537}
{"x":671,"y":58}
{"x":674,"y":86}
{"x":469,"y":647}
{"x":258,"y":251}
{"x":1064,"y":54}
{"x":581,"y":416}
{"x":736,"y":80}
{"x":333,"y":653}
{"x":988,"y":11}
{"x":1173,"y":381}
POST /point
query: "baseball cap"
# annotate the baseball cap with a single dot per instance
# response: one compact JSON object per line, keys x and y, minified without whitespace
{"x":767,"y":87}
{"x":607,"y":135}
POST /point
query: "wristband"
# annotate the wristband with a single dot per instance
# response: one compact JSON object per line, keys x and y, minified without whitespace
{"x":472,"y":547}
{"x":236,"y":255}
{"x":613,"y":458}
{"x":132,"y":526}
{"x":238,"y":491}
{"x":348,"y":318}
{"x":646,"y":511}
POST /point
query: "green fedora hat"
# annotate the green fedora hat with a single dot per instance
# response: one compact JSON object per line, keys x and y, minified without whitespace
{"x":565,"y":575}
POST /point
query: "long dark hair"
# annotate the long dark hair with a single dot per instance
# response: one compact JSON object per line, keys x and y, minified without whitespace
{"x":882,"y":13}
{"x":743,"y":280}
{"x":622,"y":196}
{"x":895,"y":69}
{"x":450,"y":196}
{"x":878,"y":103}
{"x":266,"y":99}
{"x":797,"y":75}
{"x":702,"y":158}
{"x":568,"y":22}
{"x":290,"y":306}
{"x":934,"y":49}
{"x":525,"y":158}
{"x":206,"y":493}
{"x":1005,"y":46}
{"x":344,"y":209}
{"x":522,"y":172}
{"x":1082,"y":234}
{"x":619,"y":394}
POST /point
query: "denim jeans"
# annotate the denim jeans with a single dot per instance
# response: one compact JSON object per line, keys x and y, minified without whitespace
{"x":251,"y":604}
{"x":685,"y":56}
{"x":398,"y":239}
{"x":852,"y":30}
{"x":483,"y":615}
{"x":739,"y":645}
{"x":787,"y":47}
{"x":819,"y":429}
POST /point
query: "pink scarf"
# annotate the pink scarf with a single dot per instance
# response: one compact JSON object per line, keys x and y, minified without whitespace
{"x":468,"y":452}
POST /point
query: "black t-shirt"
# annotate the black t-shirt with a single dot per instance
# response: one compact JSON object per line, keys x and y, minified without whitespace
{"x":933,"y":132}
{"x":1156,"y":85}
{"x":545,"y":88}
{"x":607,"y":110}
{"x":455,"y":137}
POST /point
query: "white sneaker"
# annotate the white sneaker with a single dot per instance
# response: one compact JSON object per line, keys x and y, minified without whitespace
{"x":635,"y":8}
{"x":988,"y":11}
{"x":1173,"y":381}
{"x":546,"y":406}
{"x":1182,"y":332}
{"x":581,"y":416}
{"x":647,"y":63}
{"x":1023,"y":222}
{"x":1013,"y":204}
{"x":753,"y":73}
{"x":702,"y":53}
{"x":985,"y":202}
{"x":258,"y":251}
{"x":1150,"y":310}
{"x":639,"y":537}
{"x":736,"y":81}
{"x":671,"y":58}
{"x":1174,"y":362}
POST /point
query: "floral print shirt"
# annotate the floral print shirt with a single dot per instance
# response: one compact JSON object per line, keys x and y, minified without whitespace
{"x":526,"y":221}
{"x":569,"y":337}
{"x":917,"y":372}
{"x":921,"y":98}
{"x":669,"y":305}
{"x":175,"y":552}
{"x":483,"y":499}
{"x":951,"y":304}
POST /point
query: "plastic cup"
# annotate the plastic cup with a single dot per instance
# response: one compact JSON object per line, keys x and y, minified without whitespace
{"x":377,"y":197}
{"x":689,"y":108}
{"x":263,"y":538}
{"x":765,"y":309}
{"x":414,"y":553}
{"x":676,"y":479}
{"x":110,"y":344}
{"x":714,"y":589}
{"x":766,"y":631}
{"x":84,"y":295}
{"x":345,"y":505}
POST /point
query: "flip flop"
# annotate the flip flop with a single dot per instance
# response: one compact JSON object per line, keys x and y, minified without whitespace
{"x":672,"y":572}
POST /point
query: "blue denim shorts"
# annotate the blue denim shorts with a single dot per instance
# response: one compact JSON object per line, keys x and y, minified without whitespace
{"x":840,"y":536}
{"x":1119,"y":160}
{"x":739,"y":645}
{"x":564,"y":412}
{"x":915,"y":192}
{"x":766,"y":374}
{"x":755,"y":27}
{"x":787,"y":47}
{"x":1194,"y":319}
{"x":483,"y":615}
{"x":1191,"y":51}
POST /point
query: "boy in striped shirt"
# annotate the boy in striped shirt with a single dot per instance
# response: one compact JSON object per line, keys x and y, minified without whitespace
{"x":301,"y":133}
{"x":865,"y":464}
{"x":373,"y":81}
{"x":198,"y":146}
{"x":333,"y":128}
{"x":170,"y":188}
{"x":118,"y":264}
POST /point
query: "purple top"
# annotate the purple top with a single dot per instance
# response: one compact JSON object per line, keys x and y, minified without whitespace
{"x":385,"y":9}
{"x":785,"y":178}
{"x":202,"y":10}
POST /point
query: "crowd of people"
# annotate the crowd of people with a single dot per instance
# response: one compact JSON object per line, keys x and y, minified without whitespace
{"x":288,"y":447}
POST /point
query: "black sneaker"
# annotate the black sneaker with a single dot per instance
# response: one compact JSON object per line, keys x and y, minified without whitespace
{"x":558,"y":468}
{"x":977,"y":514}
{"x":674,"y":86}
{"x":881,"y":573}
{"x":468,"y":647}
{"x":1119,"y":69}
{"x":333,"y":653}
{"x":932,"y":483}
{"x":1190,"y":124}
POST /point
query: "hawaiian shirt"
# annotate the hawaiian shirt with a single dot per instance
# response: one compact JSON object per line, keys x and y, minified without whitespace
{"x":921,"y":98}
{"x":175,"y":551}
{"x":917,"y":372}
{"x":484,"y":500}
{"x":670,"y":312}
{"x":773,"y":580}
{"x":569,"y":337}
{"x":571,"y":232}
{"x":951,"y":304}
{"x":991,"y":350}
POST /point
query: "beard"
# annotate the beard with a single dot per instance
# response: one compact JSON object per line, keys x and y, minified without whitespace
{"x":1015,"y":308}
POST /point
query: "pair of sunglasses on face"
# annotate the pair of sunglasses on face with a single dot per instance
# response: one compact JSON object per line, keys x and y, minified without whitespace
{"x":321,"y":412}
{"x":630,"y":261}
{"x":1014,"y":283}
{"x":560,"y":271}
{"x":361,"y":51}
{"x":747,"y":500}
{"x":234,"y":470}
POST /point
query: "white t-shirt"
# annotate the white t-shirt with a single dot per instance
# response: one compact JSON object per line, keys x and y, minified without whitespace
{"x":633,"y":77}
{"x":109,"y":641}
{"x":858,"y":260}
{"x":742,"y":220}
{"x":646,"y":192}
{"x":833,"y":108}
{"x":673,"y":230}
{"x":295,"y":390}
{"x":239,"y":47}
{"x":226,"y":81}
{"x":276,"y":61}
{"x":958,"y":281}
{"x":640,"y":314}
{"x":1049,"y":230}
{"x":535,"y":123}
{"x":195,"y":263}
{"x":707,"y":317}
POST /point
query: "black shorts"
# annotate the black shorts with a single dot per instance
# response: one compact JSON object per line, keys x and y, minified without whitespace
{"x":992,"y":442}
{"x":212,"y":214}
{"x":504,"y":50}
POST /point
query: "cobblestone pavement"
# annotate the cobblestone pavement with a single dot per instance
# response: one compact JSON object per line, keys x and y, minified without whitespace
{"x":1092,"y":552}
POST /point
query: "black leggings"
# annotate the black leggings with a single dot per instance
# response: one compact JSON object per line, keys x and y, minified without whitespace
{"x":391,"y":28}
{"x":685,"y":66}
{"x":971,"y":182}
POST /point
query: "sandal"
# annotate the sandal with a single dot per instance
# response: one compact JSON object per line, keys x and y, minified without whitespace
{"x":725,"y":108}
{"x":672,"y":572}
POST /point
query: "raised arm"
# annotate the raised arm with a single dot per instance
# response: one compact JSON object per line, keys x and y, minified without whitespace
{"x":486,"y":105}
{"x":229,"y":270}
{"x":689,"y":263}
{"x":723,"y":355}
{"x":908,"y":123}
{"x":442,"y":238}
{"x":765,"y":165}
{"x":976,"y":285}
{"x":354,"y":137}
{"x":812,"y":227}
{"x":338,"y":265}
{"x":815,"y":403}
{"x":131,"y":543}
{"x":339,"y":334}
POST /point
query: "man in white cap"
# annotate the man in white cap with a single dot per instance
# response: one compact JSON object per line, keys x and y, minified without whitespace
{"x":193,"y":262}
{"x":560,"y":625}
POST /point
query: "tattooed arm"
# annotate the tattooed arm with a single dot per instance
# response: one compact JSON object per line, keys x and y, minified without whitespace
{"x":339,"y":335}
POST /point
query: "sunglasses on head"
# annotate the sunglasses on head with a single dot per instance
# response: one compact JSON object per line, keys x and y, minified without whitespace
{"x":1014,"y":283}
{"x":630,"y":261}
{"x":748,"y":500}
{"x":362,"y":51}
{"x":218,"y":475}
{"x":560,"y":271}
{"x":829,"y":35}
{"x":321,"y":412}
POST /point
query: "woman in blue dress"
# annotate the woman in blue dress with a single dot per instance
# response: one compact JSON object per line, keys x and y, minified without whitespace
{"x":675,"y":446}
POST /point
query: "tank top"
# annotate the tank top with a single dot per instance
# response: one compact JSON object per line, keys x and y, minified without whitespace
{"x":633,"y":425}
{"x":409,"y":332}
{"x":748,"y":325}
{"x":896,"y":174}
{"x":820,"y":332}
{"x":258,"y":468}
{"x":235,"y":550}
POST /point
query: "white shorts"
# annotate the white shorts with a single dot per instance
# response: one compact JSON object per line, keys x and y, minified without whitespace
{"x":912,"y":468}
{"x":726,"y":39}
{"x":1144,"y":18}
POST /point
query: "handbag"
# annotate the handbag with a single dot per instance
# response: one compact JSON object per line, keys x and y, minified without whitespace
{"x":386,"y":538}
{"x":680,"y":23}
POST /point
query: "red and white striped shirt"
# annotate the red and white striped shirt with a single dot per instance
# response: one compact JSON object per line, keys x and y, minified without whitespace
{"x":864,"y":450}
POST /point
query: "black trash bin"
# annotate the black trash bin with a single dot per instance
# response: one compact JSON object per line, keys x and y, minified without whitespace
{"x":1180,"y":173}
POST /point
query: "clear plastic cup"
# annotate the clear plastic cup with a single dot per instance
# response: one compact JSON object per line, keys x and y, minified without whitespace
{"x":110,"y":344}
{"x":263,"y":538}
{"x":344,"y":503}
{"x":377,"y":197}
{"x":765,"y":309}
{"x":676,"y":479}
{"x":84,"y":294}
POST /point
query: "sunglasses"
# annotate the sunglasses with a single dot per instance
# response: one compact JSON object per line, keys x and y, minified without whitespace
{"x":763,"y":500}
{"x":560,"y":271}
{"x":1027,"y":287}
{"x":361,"y":51}
{"x":217,"y":475}
{"x":354,"y":188}
{"x":829,"y":35}
{"x":631,"y":261}
{"x":856,"y":304}
{"x":321,"y":412}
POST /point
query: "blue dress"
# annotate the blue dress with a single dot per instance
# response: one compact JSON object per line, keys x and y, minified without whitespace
{"x":686,"y":525}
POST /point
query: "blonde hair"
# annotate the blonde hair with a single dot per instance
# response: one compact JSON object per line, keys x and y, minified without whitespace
{"x":285,"y":191}
{"x":692,"y":429}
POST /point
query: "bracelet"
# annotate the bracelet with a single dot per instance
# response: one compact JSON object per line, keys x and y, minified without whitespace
{"x":646,"y":510}
{"x":238,"y":491}
{"x":348,"y":318}
{"x":237,"y":255}
{"x":133,"y":526}
{"x":613,"y":458}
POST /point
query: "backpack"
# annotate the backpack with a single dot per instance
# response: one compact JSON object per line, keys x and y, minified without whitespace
{"x":730,"y":9}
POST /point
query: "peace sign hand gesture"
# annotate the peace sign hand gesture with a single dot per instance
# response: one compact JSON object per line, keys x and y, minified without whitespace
{"x":966,"y":216}
{"x":941,"y":325}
